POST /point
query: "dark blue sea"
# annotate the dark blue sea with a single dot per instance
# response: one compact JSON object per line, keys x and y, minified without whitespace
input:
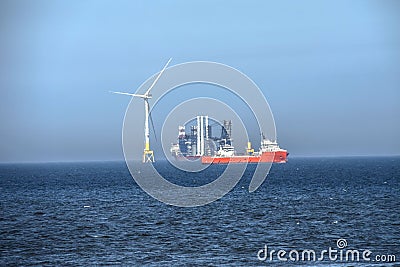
{"x":85,"y":214}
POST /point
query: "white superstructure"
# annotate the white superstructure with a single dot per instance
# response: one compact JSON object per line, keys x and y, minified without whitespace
{"x":202,"y":134}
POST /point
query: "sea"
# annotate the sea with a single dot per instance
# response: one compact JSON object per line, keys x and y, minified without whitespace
{"x":94,"y":214}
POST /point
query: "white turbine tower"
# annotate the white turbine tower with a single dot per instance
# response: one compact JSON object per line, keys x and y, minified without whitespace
{"x":148,"y":155}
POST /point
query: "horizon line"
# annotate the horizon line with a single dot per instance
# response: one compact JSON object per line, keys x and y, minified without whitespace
{"x":164,"y":159}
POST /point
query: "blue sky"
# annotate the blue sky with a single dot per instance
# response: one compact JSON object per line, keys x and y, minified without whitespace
{"x":330,"y":70}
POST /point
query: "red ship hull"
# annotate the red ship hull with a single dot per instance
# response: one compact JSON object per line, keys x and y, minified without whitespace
{"x":268,"y":157}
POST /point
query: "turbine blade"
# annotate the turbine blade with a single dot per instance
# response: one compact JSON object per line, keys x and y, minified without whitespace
{"x":122,"y":93}
{"x":152,"y":125}
{"x":158,"y":77}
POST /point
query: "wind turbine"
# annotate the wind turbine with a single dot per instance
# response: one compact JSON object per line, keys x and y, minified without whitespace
{"x":148,"y":155}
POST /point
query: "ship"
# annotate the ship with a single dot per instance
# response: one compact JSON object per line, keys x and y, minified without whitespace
{"x":199,"y":144}
{"x":269,"y":152}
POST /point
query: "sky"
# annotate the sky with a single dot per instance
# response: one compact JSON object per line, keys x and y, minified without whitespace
{"x":330,"y":70}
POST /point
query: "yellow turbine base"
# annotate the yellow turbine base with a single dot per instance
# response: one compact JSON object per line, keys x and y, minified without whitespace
{"x":148,"y":156}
